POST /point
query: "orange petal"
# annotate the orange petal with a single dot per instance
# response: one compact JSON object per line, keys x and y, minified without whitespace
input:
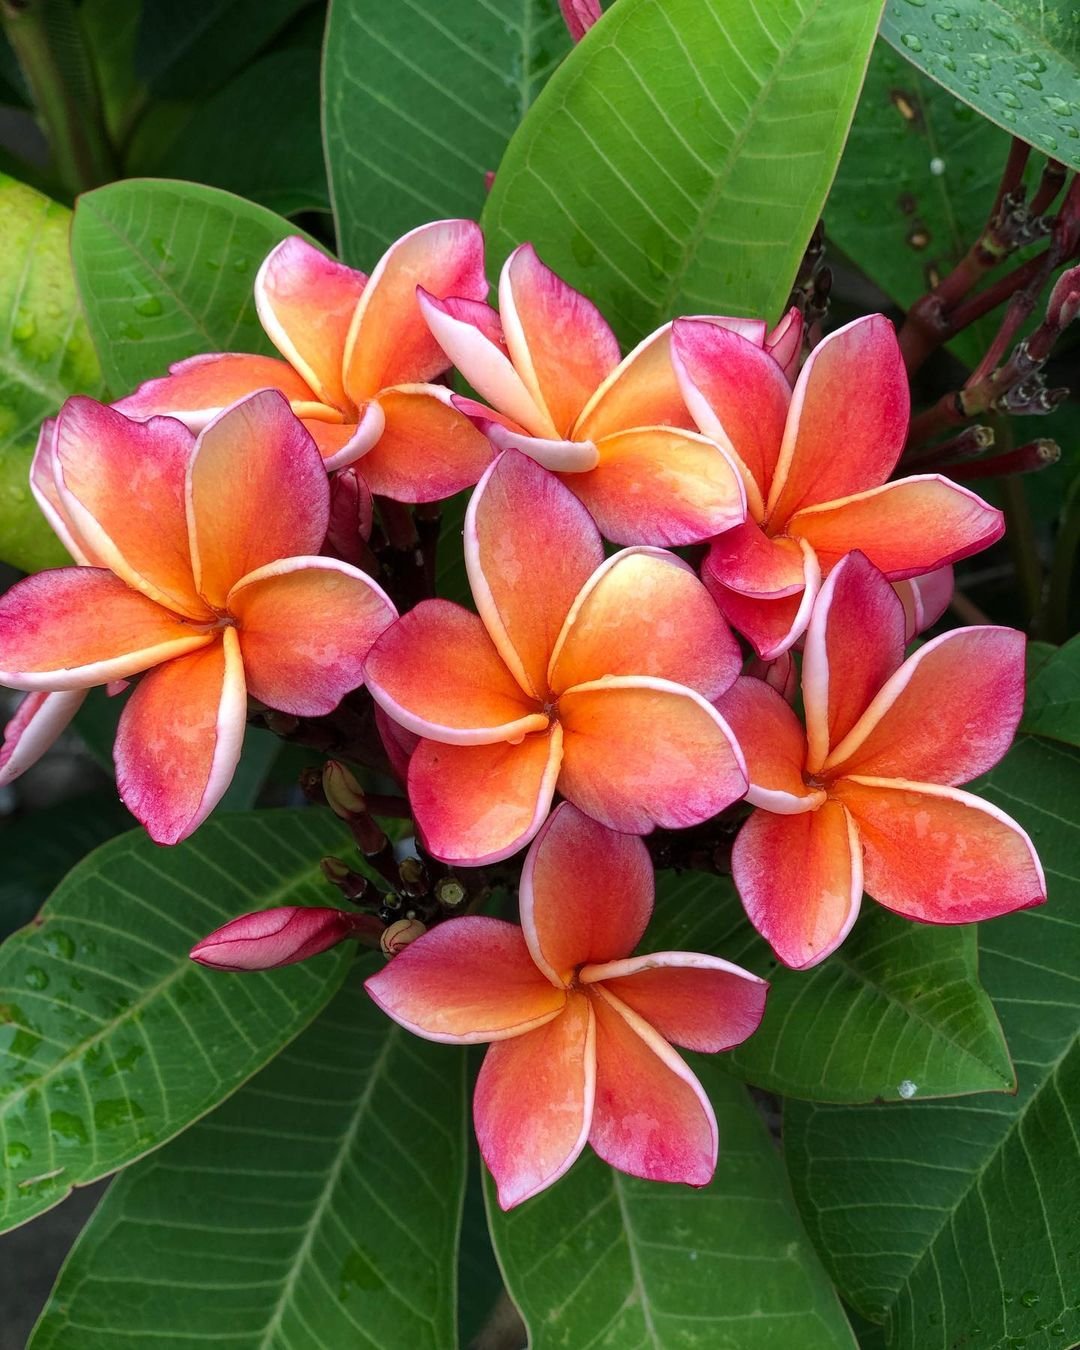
{"x":530,"y":546}
{"x":938,"y":854}
{"x":623,"y":623}
{"x":43,"y":486}
{"x":852,"y":393}
{"x":77,"y":627}
{"x":558,"y":340}
{"x":946,"y":716}
{"x":257,"y":492}
{"x":306,"y":303}
{"x":586,"y":893}
{"x":428,"y":450}
{"x":389,"y":342}
{"x":773,"y":743}
{"x":644,"y":752}
{"x":652,"y":1117}
{"x":641,"y":392}
{"x":699,"y":1002}
{"x":196,"y":390}
{"x":481,"y":704}
{"x":343,"y":443}
{"x":660,"y":485}
{"x":476,"y":804}
{"x":907,"y":527}
{"x":770,"y":624}
{"x":122,"y":485}
{"x":854,"y":642}
{"x":179,"y":739}
{"x":306,"y":626}
{"x":534,"y":1102}
{"x":800,"y":879}
{"x":38,"y":721}
{"x":467,"y":981}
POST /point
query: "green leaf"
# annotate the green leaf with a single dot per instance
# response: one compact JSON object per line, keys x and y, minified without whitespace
{"x":45,"y":355}
{"x":166,"y":270}
{"x":437,"y":98}
{"x":317,"y":1208}
{"x":899,"y":1001}
{"x":1016,"y":61}
{"x":605,"y":1259}
{"x":679,"y":158}
{"x":1052,"y":708}
{"x":111,"y":1039}
{"x":958,"y":1223}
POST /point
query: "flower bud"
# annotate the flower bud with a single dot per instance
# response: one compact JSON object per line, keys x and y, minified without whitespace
{"x":400,"y":934}
{"x":278,"y":937}
{"x":344,"y":795}
{"x":449,"y":892}
{"x":352,"y":885}
{"x":1064,"y":303}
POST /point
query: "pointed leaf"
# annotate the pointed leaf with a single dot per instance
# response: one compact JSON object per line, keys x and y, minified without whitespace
{"x":1053,"y":697}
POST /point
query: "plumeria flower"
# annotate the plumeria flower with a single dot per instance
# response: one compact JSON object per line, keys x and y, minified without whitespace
{"x":198,"y":568}
{"x":358,"y":361}
{"x":581,"y":1032}
{"x":588,"y":676}
{"x":616,"y":432}
{"x":814,"y":461}
{"x":867,"y":795}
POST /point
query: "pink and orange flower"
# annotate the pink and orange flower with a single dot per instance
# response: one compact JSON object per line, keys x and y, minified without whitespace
{"x":581,"y":1031}
{"x":198,"y":566}
{"x":587,"y":676}
{"x":867,"y":796}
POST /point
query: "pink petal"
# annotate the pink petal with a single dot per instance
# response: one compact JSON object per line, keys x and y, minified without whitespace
{"x":352,"y":514}
{"x":428,"y":450}
{"x":197,"y":389}
{"x":276,"y":937}
{"x":925,"y":599}
{"x":579,"y":16}
{"x":784,"y":343}
{"x":747,"y":560}
{"x":771,"y":625}
{"x":43,"y":486}
{"x":343,"y":443}
{"x":773,"y":743}
{"x":38,"y":721}
{"x":398,"y":742}
{"x":563,"y":456}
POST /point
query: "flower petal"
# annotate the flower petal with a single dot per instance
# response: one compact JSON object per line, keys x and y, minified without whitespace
{"x":800,"y":879}
{"x":946,"y":716}
{"x":773,"y":743}
{"x":660,"y":485}
{"x":770,"y":624}
{"x":853,"y":393}
{"x":784,"y":343}
{"x":77,"y":627}
{"x":699,"y":1002}
{"x":559,"y":456}
{"x":428,"y":450}
{"x":854,"y":642}
{"x":530,"y":546}
{"x":640,"y":753}
{"x":197,"y":389}
{"x":256,"y":492}
{"x":179,"y":739}
{"x":389,"y":342}
{"x":343,"y":443}
{"x":533,"y":1103}
{"x":747,"y":560}
{"x":586,"y":893}
{"x":938,"y":854}
{"x":476,"y":804}
{"x":652,"y":1118}
{"x":466,"y":981}
{"x":559,"y":342}
{"x":306,"y":626}
{"x":121,"y":484}
{"x":437,"y":673}
{"x":306,"y":303}
{"x":925,"y":599}
{"x":43,"y":486}
{"x":398,"y":742}
{"x":38,"y":721}
{"x":644,"y":612}
{"x":911,"y":526}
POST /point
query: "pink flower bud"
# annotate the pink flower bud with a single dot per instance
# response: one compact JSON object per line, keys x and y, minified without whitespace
{"x":1064,"y":303}
{"x":278,"y":937}
{"x":400,"y":934}
{"x":580,"y":15}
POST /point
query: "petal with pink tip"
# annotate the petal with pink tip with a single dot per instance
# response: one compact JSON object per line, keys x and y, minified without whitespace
{"x":911,"y":526}
{"x":428,"y":450}
{"x":800,"y":880}
{"x":770,"y":625}
{"x":530,"y":546}
{"x":343,"y":443}
{"x":437,"y":673}
{"x":256,"y":492}
{"x":505,"y":434}
{"x":699,"y":1002}
{"x":652,"y":1117}
{"x":938,"y":854}
{"x":306,"y":303}
{"x":270,"y":938}
{"x":747,"y":560}
{"x":773,"y":743}
{"x":77,"y":627}
{"x":43,"y":486}
{"x":660,"y":485}
{"x":925,"y":599}
{"x":476,"y":804}
{"x":306,"y":626}
{"x":851,"y":393}
{"x":398,"y":742}
{"x":179,"y":739}
{"x":38,"y":721}
{"x":946,"y":716}
{"x":586,"y":893}
{"x":121,"y":484}
{"x":641,"y":753}
{"x":389,"y":342}
{"x":467,"y":981}
{"x":197,"y":389}
{"x":854,"y":642}
{"x":784,"y":343}
{"x":352,"y":514}
{"x":559,"y":342}
{"x":533,"y":1103}
{"x":644,"y":612}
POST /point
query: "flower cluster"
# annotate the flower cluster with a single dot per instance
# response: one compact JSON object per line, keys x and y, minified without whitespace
{"x":209,"y":513}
